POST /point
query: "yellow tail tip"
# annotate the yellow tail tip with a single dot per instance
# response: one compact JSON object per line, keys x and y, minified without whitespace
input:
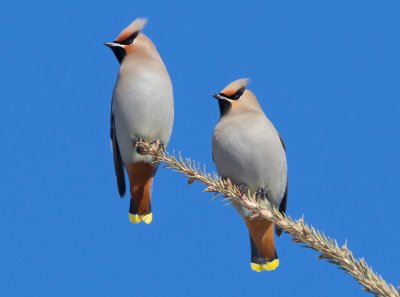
{"x":147,"y":218}
{"x":267,"y":266}
{"x":136,"y":219}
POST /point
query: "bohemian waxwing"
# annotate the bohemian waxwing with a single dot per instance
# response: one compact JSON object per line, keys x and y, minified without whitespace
{"x":142,"y":108}
{"x":249,"y":151}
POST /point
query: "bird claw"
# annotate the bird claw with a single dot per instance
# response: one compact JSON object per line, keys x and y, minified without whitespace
{"x":154,"y":146}
{"x":261,"y":194}
{"x":159,"y":146}
{"x":243,"y":188}
{"x":136,"y":141}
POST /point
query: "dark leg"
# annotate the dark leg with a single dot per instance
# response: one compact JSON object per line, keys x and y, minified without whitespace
{"x":138,"y":149}
{"x":243,"y":189}
{"x":261,"y":194}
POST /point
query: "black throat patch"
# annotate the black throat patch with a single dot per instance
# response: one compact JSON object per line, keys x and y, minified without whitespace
{"x":224,"y":106}
{"x":119,"y":53}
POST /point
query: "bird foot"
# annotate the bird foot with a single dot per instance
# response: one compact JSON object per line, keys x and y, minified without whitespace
{"x":154,"y":146}
{"x":136,"y":141}
{"x":261,"y":194}
{"x":243,"y":189}
{"x":158,"y":145}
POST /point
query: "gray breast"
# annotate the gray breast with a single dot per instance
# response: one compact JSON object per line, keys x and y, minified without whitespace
{"x":143,"y":108}
{"x":248,"y":150}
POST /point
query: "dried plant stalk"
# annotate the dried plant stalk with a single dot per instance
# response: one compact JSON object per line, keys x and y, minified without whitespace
{"x":298,"y":229}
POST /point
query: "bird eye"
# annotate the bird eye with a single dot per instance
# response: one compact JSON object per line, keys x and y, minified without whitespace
{"x":130,"y":39}
{"x":238,"y":94}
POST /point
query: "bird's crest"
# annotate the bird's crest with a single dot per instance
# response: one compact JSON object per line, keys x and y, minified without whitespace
{"x":136,"y":26}
{"x":233,"y":87}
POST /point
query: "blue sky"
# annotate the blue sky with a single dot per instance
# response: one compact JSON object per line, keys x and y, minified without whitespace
{"x":327,"y":75}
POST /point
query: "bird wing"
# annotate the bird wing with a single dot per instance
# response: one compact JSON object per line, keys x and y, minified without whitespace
{"x":118,"y":164}
{"x":282,"y":206}
{"x":283,"y":143}
{"x":282,"y":209}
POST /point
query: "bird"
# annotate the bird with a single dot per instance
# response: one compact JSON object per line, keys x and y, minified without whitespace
{"x":142,"y":108}
{"x":248,"y":150}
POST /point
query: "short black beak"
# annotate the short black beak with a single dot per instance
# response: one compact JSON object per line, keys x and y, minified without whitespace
{"x":218,"y":96}
{"x":109,"y":44}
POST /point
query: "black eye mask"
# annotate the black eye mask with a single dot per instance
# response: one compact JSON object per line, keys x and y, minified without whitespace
{"x":129,"y":40}
{"x":235,"y":96}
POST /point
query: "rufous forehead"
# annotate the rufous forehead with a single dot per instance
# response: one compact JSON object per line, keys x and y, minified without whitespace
{"x":228,"y":91}
{"x":124,"y":35}
{"x":234,"y":86}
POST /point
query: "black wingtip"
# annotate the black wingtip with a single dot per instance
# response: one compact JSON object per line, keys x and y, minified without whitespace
{"x":118,"y":164}
{"x":282,"y":208}
{"x":121,"y":187}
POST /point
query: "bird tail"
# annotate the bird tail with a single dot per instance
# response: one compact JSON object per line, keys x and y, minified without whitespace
{"x":141,"y":180}
{"x":263,"y":252}
{"x":258,"y":262}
